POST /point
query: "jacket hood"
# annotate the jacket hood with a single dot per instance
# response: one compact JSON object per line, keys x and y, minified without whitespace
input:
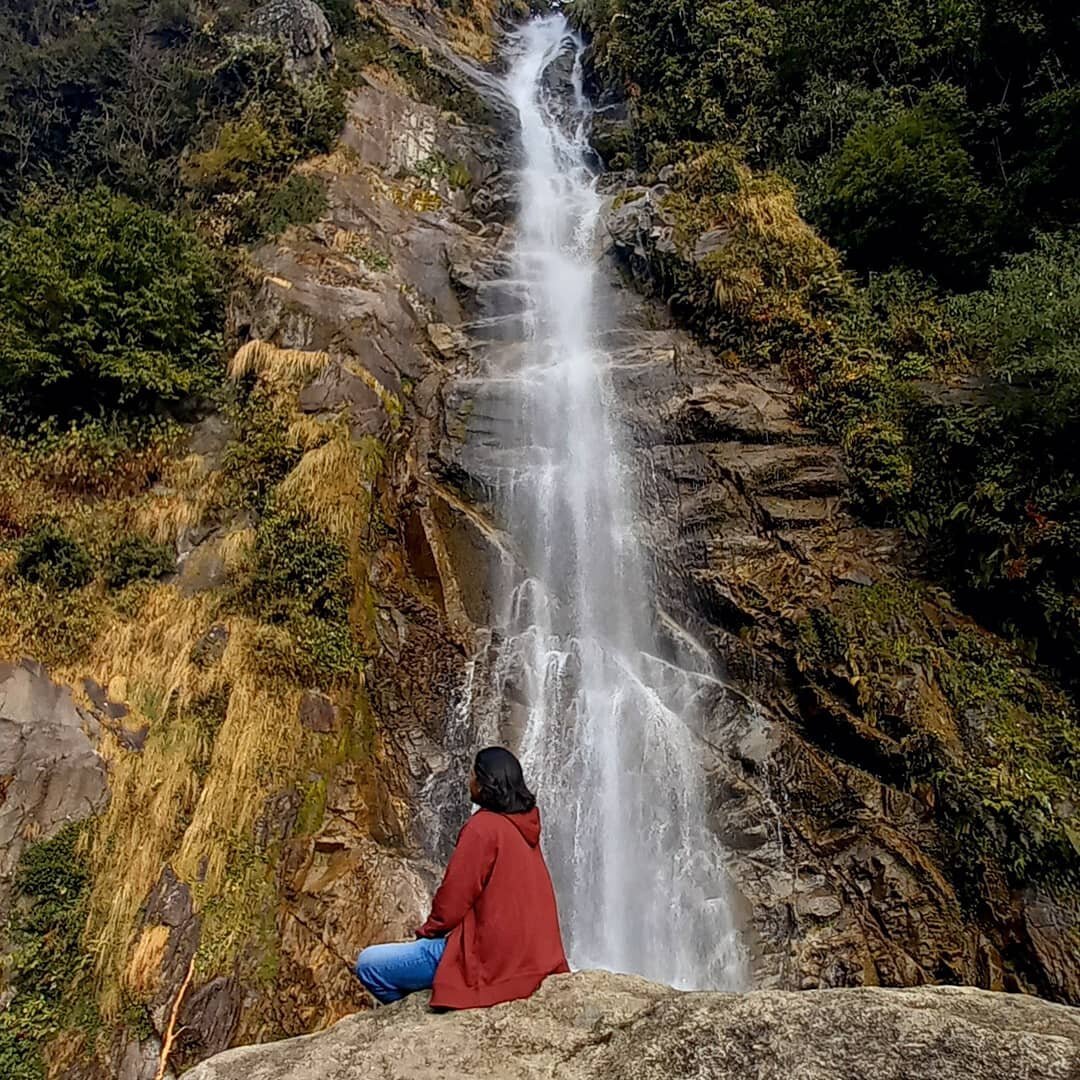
{"x":527,"y":824}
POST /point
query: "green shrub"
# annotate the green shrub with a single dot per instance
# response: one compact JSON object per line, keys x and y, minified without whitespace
{"x":106,"y":307}
{"x":341,"y":14}
{"x":824,"y":90}
{"x":241,"y":152}
{"x":51,"y":557}
{"x":259,"y":457}
{"x":122,"y":93}
{"x":138,"y":558}
{"x":296,"y":565}
{"x":906,"y":191}
{"x":297,"y":200}
{"x":299,"y":584}
{"x":49,"y":969}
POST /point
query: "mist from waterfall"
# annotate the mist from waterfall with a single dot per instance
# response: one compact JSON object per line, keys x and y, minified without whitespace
{"x":605,"y":734}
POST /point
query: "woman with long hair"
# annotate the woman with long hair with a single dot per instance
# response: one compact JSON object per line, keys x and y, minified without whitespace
{"x":493,"y":933}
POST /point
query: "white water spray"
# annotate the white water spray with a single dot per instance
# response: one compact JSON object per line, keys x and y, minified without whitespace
{"x":607,"y":732}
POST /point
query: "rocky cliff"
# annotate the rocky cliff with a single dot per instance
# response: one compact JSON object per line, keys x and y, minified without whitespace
{"x":599,"y":1025}
{"x":281,"y":746}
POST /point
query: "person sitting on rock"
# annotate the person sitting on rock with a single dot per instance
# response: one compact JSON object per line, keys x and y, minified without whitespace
{"x":493,"y":933}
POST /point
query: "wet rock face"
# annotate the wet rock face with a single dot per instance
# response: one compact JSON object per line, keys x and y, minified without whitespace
{"x":606,"y":1027}
{"x":842,"y":869}
{"x":50,"y":773}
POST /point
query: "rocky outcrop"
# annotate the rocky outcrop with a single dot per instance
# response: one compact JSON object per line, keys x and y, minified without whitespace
{"x":597,"y":1025}
{"x":300,"y":28}
{"x":50,"y":773}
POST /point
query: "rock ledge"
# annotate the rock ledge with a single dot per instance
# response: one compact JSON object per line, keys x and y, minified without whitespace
{"x":595,"y":1024}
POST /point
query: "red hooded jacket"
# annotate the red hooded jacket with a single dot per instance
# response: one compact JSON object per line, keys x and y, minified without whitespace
{"x":497,"y":909}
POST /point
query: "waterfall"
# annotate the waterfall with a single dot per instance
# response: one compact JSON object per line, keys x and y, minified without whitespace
{"x":605,"y":734}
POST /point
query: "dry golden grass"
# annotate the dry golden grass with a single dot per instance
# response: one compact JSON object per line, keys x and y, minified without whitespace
{"x":274,"y":365}
{"x":771,"y":265}
{"x":472,"y":34}
{"x":160,"y":812}
{"x":146,"y":661}
{"x":236,"y":549}
{"x":142,"y":977}
{"x":333,"y":482}
{"x":307,"y":431}
{"x":187,"y":490}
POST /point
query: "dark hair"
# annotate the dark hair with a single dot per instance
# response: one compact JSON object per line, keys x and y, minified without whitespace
{"x":501,"y":783}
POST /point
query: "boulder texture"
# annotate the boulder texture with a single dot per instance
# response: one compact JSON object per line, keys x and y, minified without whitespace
{"x":301,"y":29}
{"x":50,"y":773}
{"x":609,"y":1027}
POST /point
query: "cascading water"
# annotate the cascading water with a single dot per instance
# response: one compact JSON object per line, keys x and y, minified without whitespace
{"x":606,"y":736}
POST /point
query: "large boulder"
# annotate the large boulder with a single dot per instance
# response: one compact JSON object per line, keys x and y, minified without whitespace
{"x":301,"y":28}
{"x":50,"y":773}
{"x":595,"y":1024}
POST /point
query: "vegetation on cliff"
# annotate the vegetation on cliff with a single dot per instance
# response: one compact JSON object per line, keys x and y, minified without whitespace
{"x":881,"y":200}
{"x":935,"y":146}
{"x":174,"y":529}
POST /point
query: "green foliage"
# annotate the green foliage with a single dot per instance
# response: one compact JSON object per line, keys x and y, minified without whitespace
{"x":239,"y":915}
{"x":296,"y":562}
{"x":123,"y":92}
{"x":905,"y":190}
{"x":371,"y":257}
{"x":259,"y":457}
{"x":982,"y":468}
{"x":341,"y":14}
{"x":999,"y":747}
{"x":105,"y":307}
{"x":49,"y":969}
{"x":1011,"y":798}
{"x":138,"y":558}
{"x":925,"y":126}
{"x":55,"y":628}
{"x":1026,"y":329}
{"x":300,"y":583}
{"x":51,"y":557}
{"x":297,"y":200}
{"x":439,"y":167}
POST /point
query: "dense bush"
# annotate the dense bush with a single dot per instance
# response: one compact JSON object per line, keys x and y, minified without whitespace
{"x":49,"y":968}
{"x":961,"y":418}
{"x":137,"y":558}
{"x":300,"y":583}
{"x":905,"y":190}
{"x":298,"y":200}
{"x":1000,"y":474}
{"x":105,"y":306}
{"x":793,"y":82}
{"x":51,"y":557}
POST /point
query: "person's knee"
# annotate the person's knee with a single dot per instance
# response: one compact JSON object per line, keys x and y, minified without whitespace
{"x":366,"y":968}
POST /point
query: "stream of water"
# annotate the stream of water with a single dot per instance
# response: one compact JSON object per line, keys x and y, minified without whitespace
{"x":604,"y":733}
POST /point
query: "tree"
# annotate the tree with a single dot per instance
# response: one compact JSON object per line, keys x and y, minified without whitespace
{"x":105,"y":307}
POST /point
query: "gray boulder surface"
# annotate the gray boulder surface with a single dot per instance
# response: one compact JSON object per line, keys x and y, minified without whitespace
{"x":302,"y":30}
{"x":50,"y":773}
{"x":600,"y":1025}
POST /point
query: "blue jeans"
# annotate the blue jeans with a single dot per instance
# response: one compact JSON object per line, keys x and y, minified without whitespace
{"x":389,"y":972}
